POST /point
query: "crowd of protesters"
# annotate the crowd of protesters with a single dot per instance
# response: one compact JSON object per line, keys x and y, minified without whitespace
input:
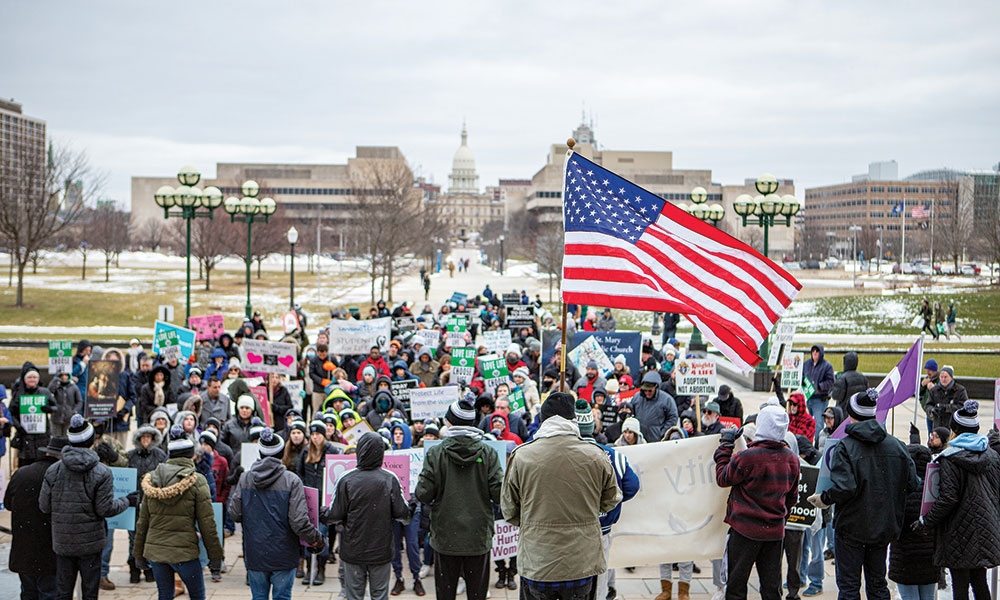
{"x":184,"y":425}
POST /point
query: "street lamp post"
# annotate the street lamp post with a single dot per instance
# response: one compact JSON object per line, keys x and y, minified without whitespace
{"x":501,"y":255}
{"x":766,"y":210}
{"x":713,"y":214}
{"x":293,"y":236}
{"x":247,"y":209}
{"x":855,"y":229}
{"x":189,"y":199}
{"x":878,"y":263}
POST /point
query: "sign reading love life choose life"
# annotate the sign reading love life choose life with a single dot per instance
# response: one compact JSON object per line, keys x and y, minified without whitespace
{"x":463,"y":364}
{"x":168,"y":338}
{"x":357,"y":337}
{"x":60,"y":357}
{"x":270,"y":357}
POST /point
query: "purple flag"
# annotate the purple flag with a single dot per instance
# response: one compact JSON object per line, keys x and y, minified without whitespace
{"x":898,"y":386}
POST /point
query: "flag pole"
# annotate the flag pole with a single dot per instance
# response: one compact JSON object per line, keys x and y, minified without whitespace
{"x":570,"y":143}
{"x":920,"y":368}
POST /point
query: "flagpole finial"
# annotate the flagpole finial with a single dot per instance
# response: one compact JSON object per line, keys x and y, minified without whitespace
{"x":571,"y":142}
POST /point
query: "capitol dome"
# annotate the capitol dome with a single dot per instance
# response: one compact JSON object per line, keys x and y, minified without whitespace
{"x":463,"y":177}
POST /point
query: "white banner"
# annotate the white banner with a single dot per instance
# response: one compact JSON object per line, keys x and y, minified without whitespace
{"x":358,"y":337}
{"x":677,"y":516}
{"x":431,"y":403}
{"x":269,"y":357}
{"x":497,"y":341}
{"x":428,"y":337}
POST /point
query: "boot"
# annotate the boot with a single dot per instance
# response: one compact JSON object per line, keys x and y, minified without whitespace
{"x":107,"y":584}
{"x":683,"y":590}
{"x":511,"y":579}
{"x":134,"y":574}
{"x":148,"y":575}
{"x":501,"y":577}
{"x":666,"y":590}
{"x":320,"y":576}
{"x":300,"y":572}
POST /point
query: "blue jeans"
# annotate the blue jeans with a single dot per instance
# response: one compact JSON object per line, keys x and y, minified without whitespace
{"x":408,"y":533}
{"x":37,"y":587}
{"x":816,"y":407}
{"x":917,"y":592}
{"x":190,"y":573}
{"x":278,"y":583}
{"x":106,"y":553}
{"x":855,"y":559}
{"x":811,"y":565}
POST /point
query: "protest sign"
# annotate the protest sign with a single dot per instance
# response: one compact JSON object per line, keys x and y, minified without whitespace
{"x":609,"y":413}
{"x":401,"y":390}
{"x":260,"y":394}
{"x":207,"y":327}
{"x":494,"y":371}
{"x":456,"y":328}
{"x":290,"y":322}
{"x":499,"y":447}
{"x":431,"y":403}
{"x":405,"y":323}
{"x":428,"y":338}
{"x":177,"y":337}
{"x":458,"y":298}
{"x":32,"y":417}
{"x":103,"y":397}
{"x":626,"y":343}
{"x":996,"y":403}
{"x":520,"y":315}
{"x":249,"y":454}
{"x":3,"y":488}
{"x":932,"y":487}
{"x":358,"y":337}
{"x":791,"y":370}
{"x":511,"y":299}
{"x":505,"y":538}
{"x":416,"y":458}
{"x":696,"y":376}
{"x":352,"y":434}
{"x":807,"y":387}
{"x":677,"y":516}
{"x":463,"y":361}
{"x":589,"y":350}
{"x":803,"y":513}
{"x":125,"y":480}
{"x":338,"y":464}
{"x":217,"y":514}
{"x":60,"y":357}
{"x":312,"y":506}
{"x":781,"y":343}
{"x":270,"y":357}
{"x":516,"y":399}
{"x":295,"y":387}
{"x":496,"y":340}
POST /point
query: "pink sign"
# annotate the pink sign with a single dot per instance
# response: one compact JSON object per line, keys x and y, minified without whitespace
{"x":996,"y":403}
{"x":338,"y":464}
{"x":932,"y":481}
{"x":312,"y":506}
{"x":207,"y":327}
{"x":260,"y":393}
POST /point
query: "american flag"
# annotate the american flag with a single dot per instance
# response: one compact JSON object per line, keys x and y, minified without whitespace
{"x":921,"y":212}
{"x":628,"y":248}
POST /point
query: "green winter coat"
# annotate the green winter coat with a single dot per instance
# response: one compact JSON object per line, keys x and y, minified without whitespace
{"x":460,"y":479}
{"x":176,"y":499}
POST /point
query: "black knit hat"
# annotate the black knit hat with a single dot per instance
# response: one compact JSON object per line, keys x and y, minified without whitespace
{"x":317,"y":426}
{"x":270,"y":444}
{"x":461,"y":414}
{"x":561,"y":404}
{"x":81,"y":432}
{"x":966,"y":419}
{"x":180,"y":445}
{"x":862,"y":405}
{"x":300,"y":425}
{"x":208,"y":437}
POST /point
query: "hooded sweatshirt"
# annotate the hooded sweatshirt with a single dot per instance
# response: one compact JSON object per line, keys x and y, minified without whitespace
{"x":801,"y":423}
{"x":505,"y":433}
{"x":849,"y":382}
{"x":826,"y":432}
{"x":366,"y":501}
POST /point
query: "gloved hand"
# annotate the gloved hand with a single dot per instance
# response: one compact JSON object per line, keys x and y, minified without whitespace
{"x":133,"y":498}
{"x":325,"y":382}
{"x":317,"y":548}
{"x":324,"y":512}
{"x":919,"y":527}
{"x":302,"y":394}
{"x":817,"y":501}
{"x":48,"y":409}
{"x":914,"y":434}
{"x":123,"y":413}
{"x":495,"y":433}
{"x":729,"y":435}
{"x":106,"y":452}
{"x":412,"y":504}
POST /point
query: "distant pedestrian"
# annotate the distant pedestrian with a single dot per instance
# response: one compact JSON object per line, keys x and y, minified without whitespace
{"x":848,"y":382}
{"x":927,"y":315}
{"x":950,"y":321}
{"x":820,"y":373}
{"x":427,"y":286}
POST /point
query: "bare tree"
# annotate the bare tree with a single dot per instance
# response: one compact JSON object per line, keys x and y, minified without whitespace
{"x":149,"y":232}
{"x":109,"y":232}
{"x":988,"y":238}
{"x":84,"y":248}
{"x":753,"y":237}
{"x":953,"y":229}
{"x":40,"y":197}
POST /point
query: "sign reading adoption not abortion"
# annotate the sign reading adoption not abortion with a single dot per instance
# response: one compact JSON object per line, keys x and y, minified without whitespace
{"x":696,"y":376}
{"x":270,"y":357}
{"x":358,"y":337}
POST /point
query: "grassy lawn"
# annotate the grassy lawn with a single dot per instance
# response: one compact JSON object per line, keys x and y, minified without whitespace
{"x":966,"y":365}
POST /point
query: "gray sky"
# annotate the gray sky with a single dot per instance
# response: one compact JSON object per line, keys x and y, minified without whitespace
{"x":808,"y":90}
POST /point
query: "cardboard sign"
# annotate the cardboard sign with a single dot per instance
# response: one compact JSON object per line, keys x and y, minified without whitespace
{"x":932,"y":487}
{"x":270,"y":357}
{"x":505,"y":538}
{"x":217,"y":515}
{"x":590,"y":350}
{"x":295,"y":387}
{"x":609,"y":413}
{"x":249,"y":454}
{"x":496,"y":340}
{"x":791,"y":370}
{"x":695,"y":376}
{"x":358,"y":337}
{"x":516,"y":399}
{"x":416,"y":458}
{"x":427,"y":337}
{"x":731,"y":422}
{"x":431,"y":403}
{"x":456,"y":328}
{"x":401,"y":390}
{"x":626,"y":343}
{"x":102,"y":389}
{"x":807,"y":387}
{"x":207,"y":327}
{"x":458,"y":298}
{"x":60,"y":357}
{"x":125,"y":481}
{"x":803,"y":513}
{"x":352,"y":434}
{"x":510,"y":299}
{"x":494,"y":370}
{"x":463,"y":364}
{"x":166,"y":336}
{"x":290,"y":322}
{"x":338,"y":464}
{"x":312,"y":506}
{"x":498,"y":446}
{"x":781,"y":343}
{"x":405,"y":324}
{"x":260,"y":393}
{"x":32,"y":417}
{"x":520,"y":315}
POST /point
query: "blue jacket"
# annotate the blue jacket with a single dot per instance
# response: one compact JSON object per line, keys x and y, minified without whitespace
{"x":820,"y":374}
{"x":628,"y":482}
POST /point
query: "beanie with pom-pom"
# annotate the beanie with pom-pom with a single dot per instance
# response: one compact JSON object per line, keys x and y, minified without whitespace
{"x":862,"y":405}
{"x":80,"y":433}
{"x":966,"y":419}
{"x":180,"y":444}
{"x":270,"y":444}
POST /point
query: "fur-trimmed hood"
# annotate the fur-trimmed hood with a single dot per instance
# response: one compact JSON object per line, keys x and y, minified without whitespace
{"x":153,"y":431}
{"x":168,"y":482}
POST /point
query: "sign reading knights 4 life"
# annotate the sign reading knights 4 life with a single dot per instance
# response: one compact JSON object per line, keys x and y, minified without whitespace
{"x":696,"y":376}
{"x":60,"y":357}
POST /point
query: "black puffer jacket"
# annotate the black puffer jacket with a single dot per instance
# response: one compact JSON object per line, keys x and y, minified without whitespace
{"x":849,"y":382}
{"x":68,"y":401}
{"x":911,"y":556}
{"x":144,"y":460}
{"x":944,"y":401}
{"x":966,"y":516}
{"x":78,"y":492}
